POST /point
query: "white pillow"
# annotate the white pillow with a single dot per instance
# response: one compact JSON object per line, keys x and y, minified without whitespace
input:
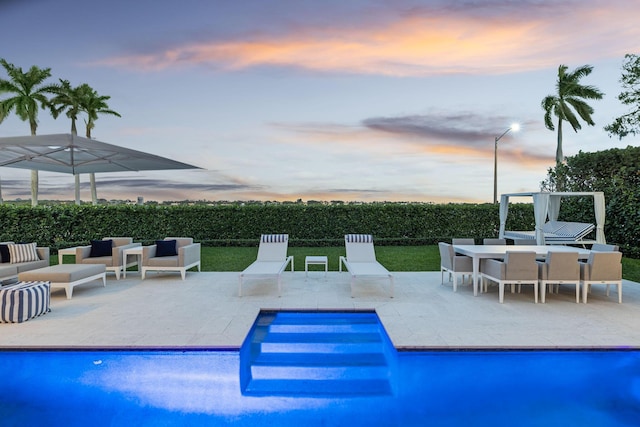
{"x":25,"y":252}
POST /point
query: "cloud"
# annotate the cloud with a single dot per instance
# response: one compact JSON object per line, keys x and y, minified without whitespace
{"x":462,"y":134}
{"x":460,"y":128}
{"x":170,"y":185}
{"x":456,"y":38}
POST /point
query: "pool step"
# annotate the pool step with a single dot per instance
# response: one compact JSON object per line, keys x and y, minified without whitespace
{"x":316,"y":353}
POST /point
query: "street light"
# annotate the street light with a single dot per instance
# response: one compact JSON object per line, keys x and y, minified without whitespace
{"x":514,"y":127}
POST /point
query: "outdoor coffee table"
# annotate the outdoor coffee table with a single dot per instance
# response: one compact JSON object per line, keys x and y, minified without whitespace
{"x":315,"y":260}
{"x":66,"y":276}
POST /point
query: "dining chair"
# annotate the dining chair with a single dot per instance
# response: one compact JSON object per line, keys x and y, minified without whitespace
{"x":602,"y":268}
{"x":559,"y":268}
{"x":518,"y":268}
{"x":494,"y":241}
{"x":454,"y":264}
{"x":462,"y":241}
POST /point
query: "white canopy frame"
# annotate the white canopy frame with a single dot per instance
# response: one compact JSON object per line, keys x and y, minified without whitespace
{"x":547,"y":205}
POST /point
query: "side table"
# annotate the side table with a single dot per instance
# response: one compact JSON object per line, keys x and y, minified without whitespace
{"x":135,"y":251}
{"x":315,"y":260}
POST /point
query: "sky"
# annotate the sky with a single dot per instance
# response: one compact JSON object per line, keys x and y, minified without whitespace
{"x":359,"y":100}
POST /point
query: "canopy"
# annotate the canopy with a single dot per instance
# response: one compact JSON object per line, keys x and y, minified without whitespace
{"x":68,"y":153}
{"x":547,"y":205}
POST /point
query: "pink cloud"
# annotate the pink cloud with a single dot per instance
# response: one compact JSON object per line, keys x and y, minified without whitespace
{"x":426,"y":43}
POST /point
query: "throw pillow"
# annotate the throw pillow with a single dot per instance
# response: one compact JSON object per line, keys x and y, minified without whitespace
{"x":101,"y":248}
{"x":23,"y":253}
{"x":4,"y":253}
{"x":166,"y":248}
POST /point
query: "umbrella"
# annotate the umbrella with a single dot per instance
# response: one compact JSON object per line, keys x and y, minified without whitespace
{"x":68,"y":153}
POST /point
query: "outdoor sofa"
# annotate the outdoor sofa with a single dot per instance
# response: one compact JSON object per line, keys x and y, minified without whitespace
{"x":29,"y":257}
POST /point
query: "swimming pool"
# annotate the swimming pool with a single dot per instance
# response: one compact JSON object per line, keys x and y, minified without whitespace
{"x":319,"y":369}
{"x":435,"y":388}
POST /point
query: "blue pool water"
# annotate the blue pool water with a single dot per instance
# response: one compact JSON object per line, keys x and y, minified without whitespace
{"x":319,"y":370}
{"x":202,"y":388}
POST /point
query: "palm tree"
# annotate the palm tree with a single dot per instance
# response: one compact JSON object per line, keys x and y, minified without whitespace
{"x":570,"y":97}
{"x":94,"y":105}
{"x":28,"y":91}
{"x":69,"y":99}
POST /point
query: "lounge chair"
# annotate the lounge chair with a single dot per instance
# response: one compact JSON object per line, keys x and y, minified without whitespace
{"x":171,"y":254}
{"x":454,"y":264}
{"x":560,"y":268}
{"x":603,"y":268}
{"x":518,"y":268}
{"x":107,"y":251}
{"x":557,"y":233}
{"x":361,"y":259}
{"x":272,"y":260}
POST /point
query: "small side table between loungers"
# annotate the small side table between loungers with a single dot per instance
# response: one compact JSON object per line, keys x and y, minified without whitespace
{"x":315,"y":260}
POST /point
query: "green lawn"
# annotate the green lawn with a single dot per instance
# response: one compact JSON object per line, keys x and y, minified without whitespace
{"x":395,"y":258}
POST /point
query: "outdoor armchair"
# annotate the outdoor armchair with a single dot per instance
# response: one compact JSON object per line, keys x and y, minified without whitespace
{"x":171,"y":254}
{"x":107,"y":251}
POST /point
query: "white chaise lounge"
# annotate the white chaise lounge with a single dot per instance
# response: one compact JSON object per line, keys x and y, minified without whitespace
{"x":271,"y":262}
{"x":557,"y":232}
{"x":361,"y":259}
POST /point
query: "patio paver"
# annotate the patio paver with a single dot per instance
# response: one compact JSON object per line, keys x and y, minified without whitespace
{"x":205,"y":311}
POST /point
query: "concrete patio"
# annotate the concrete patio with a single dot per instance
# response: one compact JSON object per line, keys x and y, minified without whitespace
{"x":205,"y":311}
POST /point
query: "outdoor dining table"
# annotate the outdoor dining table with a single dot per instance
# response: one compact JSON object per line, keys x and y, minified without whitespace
{"x":478,"y":252}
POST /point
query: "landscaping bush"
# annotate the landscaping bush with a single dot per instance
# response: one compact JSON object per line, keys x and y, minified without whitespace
{"x":237,"y":224}
{"x":308,"y":225}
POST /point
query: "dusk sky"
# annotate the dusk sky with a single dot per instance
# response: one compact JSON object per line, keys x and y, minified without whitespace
{"x":367,"y":100}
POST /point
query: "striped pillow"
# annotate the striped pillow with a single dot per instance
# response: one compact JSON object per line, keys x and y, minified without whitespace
{"x":25,"y":252}
{"x":359,"y":238}
{"x":274,"y":238}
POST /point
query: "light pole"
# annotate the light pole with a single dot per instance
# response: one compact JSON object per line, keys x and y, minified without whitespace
{"x":514,"y":127}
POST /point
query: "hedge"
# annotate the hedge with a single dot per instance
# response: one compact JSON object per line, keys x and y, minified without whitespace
{"x":237,"y":224}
